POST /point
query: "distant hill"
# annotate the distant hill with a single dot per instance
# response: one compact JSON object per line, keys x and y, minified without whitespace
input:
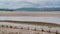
{"x":33,"y":9}
{"x":40,"y":9}
{"x":6,"y":10}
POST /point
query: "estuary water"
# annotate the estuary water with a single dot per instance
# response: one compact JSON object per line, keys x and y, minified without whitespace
{"x":55,"y":20}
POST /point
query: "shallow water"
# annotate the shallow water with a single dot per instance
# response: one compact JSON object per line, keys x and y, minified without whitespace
{"x":55,"y":20}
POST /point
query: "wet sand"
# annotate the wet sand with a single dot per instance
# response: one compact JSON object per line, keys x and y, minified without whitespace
{"x":31,"y":13}
{"x":21,"y":31}
{"x":9,"y":28}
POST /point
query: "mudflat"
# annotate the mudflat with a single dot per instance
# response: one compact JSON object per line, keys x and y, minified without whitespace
{"x":21,"y":31}
{"x":31,"y":13}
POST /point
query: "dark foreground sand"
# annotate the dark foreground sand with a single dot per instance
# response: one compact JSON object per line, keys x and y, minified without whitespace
{"x":21,"y":31}
{"x":9,"y":28}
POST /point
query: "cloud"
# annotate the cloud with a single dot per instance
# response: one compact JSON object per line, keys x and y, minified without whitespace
{"x":13,"y":4}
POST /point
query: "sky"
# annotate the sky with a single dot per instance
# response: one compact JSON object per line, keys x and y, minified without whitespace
{"x":13,"y":4}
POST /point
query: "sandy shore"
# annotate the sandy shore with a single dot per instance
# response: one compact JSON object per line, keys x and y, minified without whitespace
{"x":31,"y":13}
{"x":21,"y":31}
{"x":13,"y":28}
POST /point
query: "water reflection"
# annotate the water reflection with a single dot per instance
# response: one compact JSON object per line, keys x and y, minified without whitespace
{"x":37,"y":19}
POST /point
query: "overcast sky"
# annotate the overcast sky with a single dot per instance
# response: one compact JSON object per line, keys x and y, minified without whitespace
{"x":12,"y":4}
